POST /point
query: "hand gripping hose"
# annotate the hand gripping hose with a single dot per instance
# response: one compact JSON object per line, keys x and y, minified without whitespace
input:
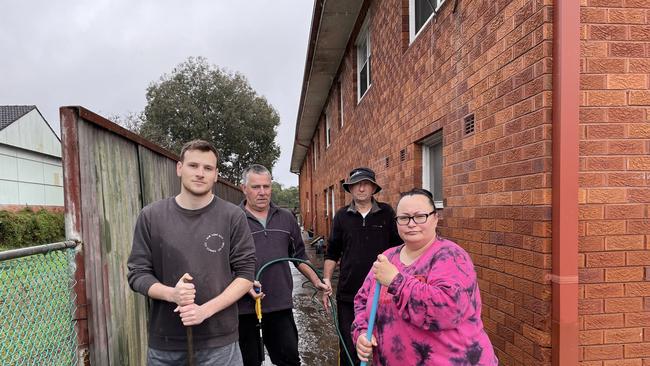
{"x":258,"y":311}
{"x":258,"y":302}
{"x":373,"y":315}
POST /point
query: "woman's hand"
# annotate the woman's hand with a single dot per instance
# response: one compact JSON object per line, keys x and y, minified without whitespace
{"x":364,"y":348}
{"x":384,"y":270}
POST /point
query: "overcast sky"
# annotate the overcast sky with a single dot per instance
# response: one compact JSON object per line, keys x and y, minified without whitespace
{"x":102,"y":54}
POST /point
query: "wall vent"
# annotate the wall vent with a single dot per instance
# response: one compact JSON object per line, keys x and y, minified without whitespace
{"x":468,"y":125}
{"x":387,"y":162}
{"x":402,"y":155}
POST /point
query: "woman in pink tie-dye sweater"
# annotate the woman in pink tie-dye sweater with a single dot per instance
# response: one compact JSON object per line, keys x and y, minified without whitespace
{"x":429,"y":309}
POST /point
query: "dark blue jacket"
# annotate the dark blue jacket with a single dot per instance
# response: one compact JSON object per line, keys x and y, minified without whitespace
{"x":281,"y":238}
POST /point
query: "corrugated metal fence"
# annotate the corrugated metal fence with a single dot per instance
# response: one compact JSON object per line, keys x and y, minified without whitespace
{"x":109,"y":175}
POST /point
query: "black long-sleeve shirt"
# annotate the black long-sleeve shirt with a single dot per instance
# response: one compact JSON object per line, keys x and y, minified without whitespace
{"x":357,"y":241}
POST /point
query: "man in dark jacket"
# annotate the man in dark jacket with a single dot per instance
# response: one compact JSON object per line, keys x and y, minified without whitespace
{"x":360,"y":231}
{"x":277,"y":235}
{"x":194,"y":257}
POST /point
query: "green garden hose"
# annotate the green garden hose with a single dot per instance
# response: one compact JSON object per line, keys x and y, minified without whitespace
{"x":329,"y":298}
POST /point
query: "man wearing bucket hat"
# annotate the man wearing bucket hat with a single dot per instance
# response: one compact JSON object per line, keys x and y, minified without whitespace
{"x":360,"y":231}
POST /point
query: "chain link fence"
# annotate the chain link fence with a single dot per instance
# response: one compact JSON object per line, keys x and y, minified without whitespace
{"x":37,"y":305}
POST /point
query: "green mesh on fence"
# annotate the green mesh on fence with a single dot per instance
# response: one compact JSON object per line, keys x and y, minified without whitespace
{"x":37,"y":309}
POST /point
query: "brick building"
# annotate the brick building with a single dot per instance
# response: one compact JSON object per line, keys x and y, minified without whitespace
{"x":530,"y":122}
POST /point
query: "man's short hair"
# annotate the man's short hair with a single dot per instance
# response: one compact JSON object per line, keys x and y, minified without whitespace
{"x":200,"y":145}
{"x":255,"y":168}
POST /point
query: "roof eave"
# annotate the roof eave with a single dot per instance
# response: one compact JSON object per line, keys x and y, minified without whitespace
{"x":332,"y":25}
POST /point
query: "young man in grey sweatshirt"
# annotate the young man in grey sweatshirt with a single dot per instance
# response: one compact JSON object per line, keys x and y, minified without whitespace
{"x":194,"y":257}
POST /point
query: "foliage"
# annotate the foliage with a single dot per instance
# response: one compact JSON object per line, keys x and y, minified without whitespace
{"x":285,"y":197}
{"x":26,"y":228}
{"x":201,"y":101}
{"x":131,"y":121}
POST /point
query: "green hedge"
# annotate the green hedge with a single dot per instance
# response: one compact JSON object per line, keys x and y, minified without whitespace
{"x":27,"y":228}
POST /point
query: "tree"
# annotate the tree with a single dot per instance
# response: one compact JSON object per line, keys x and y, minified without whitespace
{"x":131,"y":121}
{"x":201,"y":101}
{"x":285,"y":197}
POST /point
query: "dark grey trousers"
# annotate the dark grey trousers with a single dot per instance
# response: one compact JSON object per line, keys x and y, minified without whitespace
{"x":229,"y":355}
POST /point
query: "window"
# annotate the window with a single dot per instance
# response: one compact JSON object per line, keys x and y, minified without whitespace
{"x":333,"y":201}
{"x":420,"y":12}
{"x":340,"y":104}
{"x":328,"y":129}
{"x":364,"y":78}
{"x":315,"y":151}
{"x":432,"y":166}
{"x":327,"y":203}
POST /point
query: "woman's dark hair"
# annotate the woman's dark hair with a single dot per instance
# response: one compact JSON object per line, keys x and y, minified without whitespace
{"x":419,"y":192}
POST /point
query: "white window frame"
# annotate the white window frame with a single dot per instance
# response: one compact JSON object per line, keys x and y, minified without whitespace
{"x":333,"y":201}
{"x":413,"y":34}
{"x":327,"y":203}
{"x":315,"y":153}
{"x":340,"y":104}
{"x":328,"y":128}
{"x":432,"y":140}
{"x":363,"y":38}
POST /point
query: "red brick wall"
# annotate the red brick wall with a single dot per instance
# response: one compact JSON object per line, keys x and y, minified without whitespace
{"x":490,"y":58}
{"x":615,"y":183}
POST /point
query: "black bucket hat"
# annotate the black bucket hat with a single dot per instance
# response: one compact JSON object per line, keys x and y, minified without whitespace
{"x":359,"y":174}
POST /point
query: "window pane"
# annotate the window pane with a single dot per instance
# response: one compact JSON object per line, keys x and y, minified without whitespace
{"x":362,"y":50}
{"x":436,"y":171}
{"x":423,"y":10}
{"x":369,"y":72}
{"x":363,"y":80}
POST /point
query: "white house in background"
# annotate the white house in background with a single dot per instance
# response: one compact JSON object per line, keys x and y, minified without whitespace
{"x":30,"y":159}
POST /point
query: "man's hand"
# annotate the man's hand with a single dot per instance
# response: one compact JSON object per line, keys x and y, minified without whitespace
{"x":184,"y":291}
{"x":191,"y":314}
{"x":322,"y":286}
{"x":327,"y":292}
{"x":384,"y":270}
{"x":364,"y":348}
{"x":256,"y":291}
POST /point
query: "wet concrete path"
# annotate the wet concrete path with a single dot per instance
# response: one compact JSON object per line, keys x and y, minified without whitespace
{"x":318,"y":342}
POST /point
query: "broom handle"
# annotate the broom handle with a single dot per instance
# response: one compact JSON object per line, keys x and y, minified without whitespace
{"x":373,"y":315}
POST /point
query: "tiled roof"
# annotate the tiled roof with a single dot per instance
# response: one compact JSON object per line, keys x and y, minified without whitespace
{"x":10,"y":113}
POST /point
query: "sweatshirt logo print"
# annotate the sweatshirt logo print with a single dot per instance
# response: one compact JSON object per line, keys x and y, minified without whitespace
{"x":214,"y":243}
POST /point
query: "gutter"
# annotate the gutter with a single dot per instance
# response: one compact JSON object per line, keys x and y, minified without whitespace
{"x":565,"y":170}
{"x":317,"y":13}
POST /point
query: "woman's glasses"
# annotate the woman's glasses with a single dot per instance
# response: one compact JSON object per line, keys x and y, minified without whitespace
{"x":418,"y":219}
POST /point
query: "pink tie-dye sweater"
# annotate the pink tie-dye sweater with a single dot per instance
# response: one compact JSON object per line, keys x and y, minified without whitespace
{"x":430,"y":314}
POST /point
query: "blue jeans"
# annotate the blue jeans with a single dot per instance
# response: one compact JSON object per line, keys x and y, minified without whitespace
{"x":229,"y":355}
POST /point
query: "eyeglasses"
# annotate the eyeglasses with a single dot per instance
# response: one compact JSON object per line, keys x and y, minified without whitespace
{"x":418,"y":219}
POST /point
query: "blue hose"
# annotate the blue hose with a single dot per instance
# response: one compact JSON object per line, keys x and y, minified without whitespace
{"x":373,"y":315}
